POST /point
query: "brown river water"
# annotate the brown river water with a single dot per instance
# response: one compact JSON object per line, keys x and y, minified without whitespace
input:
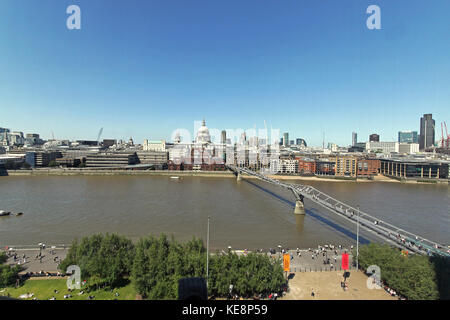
{"x":244,"y":215}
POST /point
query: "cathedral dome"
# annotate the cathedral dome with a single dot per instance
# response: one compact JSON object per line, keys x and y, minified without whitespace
{"x":203,"y":135}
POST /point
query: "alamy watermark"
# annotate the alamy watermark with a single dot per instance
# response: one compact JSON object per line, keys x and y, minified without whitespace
{"x":374,"y":280}
{"x":74,"y":281}
{"x":73,"y":22}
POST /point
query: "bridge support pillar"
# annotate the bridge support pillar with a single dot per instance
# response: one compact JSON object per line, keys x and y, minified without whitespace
{"x":299,"y":207}
{"x":238,"y":177}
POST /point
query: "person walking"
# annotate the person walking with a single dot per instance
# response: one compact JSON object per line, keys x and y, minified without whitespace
{"x":312,"y":293}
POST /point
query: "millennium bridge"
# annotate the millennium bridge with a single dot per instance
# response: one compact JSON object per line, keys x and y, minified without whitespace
{"x":388,"y":232}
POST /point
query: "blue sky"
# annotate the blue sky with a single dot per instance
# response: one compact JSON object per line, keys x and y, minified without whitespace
{"x":144,"y":68}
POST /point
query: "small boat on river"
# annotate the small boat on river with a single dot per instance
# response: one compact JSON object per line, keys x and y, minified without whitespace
{"x":4,"y":213}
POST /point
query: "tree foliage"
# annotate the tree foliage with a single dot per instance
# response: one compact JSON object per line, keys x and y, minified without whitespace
{"x":8,"y":274}
{"x":249,"y":274}
{"x":3,"y":257}
{"x":159,"y":264}
{"x":53,"y":163}
{"x":105,"y":259}
{"x":156,"y":264}
{"x":414,"y":276}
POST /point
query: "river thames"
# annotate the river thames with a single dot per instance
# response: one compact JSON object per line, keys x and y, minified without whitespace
{"x":247,"y":214}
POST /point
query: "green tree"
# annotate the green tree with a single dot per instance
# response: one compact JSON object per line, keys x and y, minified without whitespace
{"x":152,"y":275}
{"x":53,"y":163}
{"x":412,"y":276}
{"x":249,"y":274}
{"x":3,"y":257}
{"x":8,"y":275}
{"x":106,"y":258}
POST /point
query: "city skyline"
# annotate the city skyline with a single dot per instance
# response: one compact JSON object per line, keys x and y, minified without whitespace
{"x":260,"y":133}
{"x":142,"y":70}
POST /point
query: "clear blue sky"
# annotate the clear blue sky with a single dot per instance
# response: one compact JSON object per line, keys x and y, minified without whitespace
{"x":144,"y":68}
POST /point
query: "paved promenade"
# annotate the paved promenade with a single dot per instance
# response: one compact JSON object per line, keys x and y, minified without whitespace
{"x":29,"y":259}
{"x":327,"y":286}
{"x":321,"y":258}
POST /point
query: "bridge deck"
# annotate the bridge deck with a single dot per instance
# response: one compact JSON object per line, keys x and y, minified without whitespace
{"x":385,"y":230}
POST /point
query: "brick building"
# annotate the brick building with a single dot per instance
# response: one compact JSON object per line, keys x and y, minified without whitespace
{"x":306,"y":166}
{"x":368,"y":167}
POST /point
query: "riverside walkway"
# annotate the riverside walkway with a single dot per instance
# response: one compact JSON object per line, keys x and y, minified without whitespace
{"x":383,"y":229}
{"x":27,"y":257}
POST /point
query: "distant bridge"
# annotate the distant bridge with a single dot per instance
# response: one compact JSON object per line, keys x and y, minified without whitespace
{"x":385,"y":230}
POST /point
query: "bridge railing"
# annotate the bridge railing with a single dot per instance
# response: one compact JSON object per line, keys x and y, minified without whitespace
{"x":380,"y":224}
{"x":390,"y":232}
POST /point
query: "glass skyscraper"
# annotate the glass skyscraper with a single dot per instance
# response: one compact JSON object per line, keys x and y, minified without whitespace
{"x":408,"y":137}
{"x":426,"y":138}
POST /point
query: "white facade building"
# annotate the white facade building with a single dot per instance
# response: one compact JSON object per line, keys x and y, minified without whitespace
{"x":154,"y":145}
{"x":17,"y":138}
{"x":384,"y":147}
{"x":408,"y":148}
{"x":284,"y":166}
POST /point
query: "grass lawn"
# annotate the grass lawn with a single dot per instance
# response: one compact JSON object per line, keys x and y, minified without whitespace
{"x":44,"y":290}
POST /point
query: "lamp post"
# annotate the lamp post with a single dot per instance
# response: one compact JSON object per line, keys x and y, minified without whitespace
{"x":207,"y":254}
{"x":357,"y":239}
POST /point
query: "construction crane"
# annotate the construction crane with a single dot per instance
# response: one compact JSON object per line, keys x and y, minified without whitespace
{"x":267,"y":133}
{"x":99,"y":135}
{"x":448,"y":136}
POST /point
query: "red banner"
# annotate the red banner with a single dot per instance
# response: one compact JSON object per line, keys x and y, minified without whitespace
{"x":345,"y":261}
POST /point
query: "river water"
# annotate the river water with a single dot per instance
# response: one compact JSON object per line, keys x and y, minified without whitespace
{"x":247,"y":214}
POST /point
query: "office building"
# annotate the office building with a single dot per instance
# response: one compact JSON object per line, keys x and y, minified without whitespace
{"x":382,"y":147}
{"x":284,"y":166}
{"x":325,"y":167}
{"x":354,"y":139}
{"x":157,"y":158}
{"x":33,"y":139}
{"x":332,"y":146}
{"x":306,"y":166}
{"x":426,"y":137}
{"x":69,"y":162}
{"x":374,"y":138}
{"x":301,"y":142}
{"x":41,"y":159}
{"x":415,"y":168}
{"x":111,"y":160}
{"x":3,"y":134}
{"x":87,"y":142}
{"x":368,"y":167}
{"x":408,"y":148}
{"x":109,"y":142}
{"x":286,"y":139}
{"x":408,"y":137}
{"x":154,"y":145}
{"x":346,"y":166}
{"x":223,"y":140}
{"x":17,"y":138}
